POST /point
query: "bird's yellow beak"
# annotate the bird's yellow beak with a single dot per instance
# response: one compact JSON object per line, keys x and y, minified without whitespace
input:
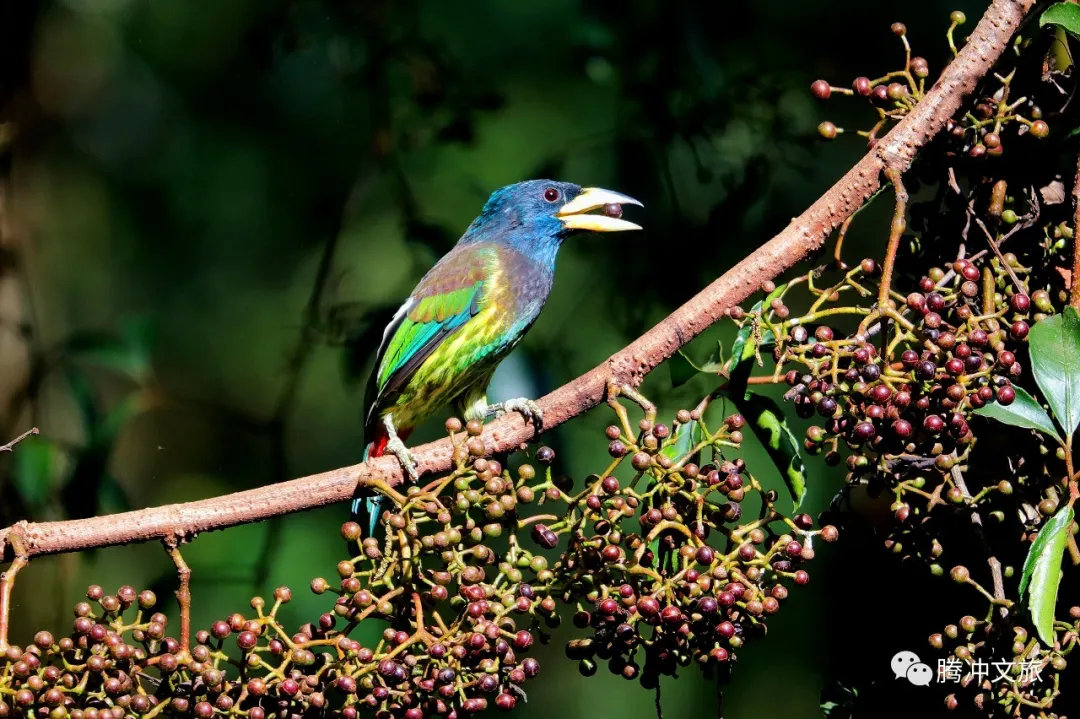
{"x":575,"y":214}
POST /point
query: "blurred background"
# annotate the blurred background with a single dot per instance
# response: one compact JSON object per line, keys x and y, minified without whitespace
{"x":208,"y":211}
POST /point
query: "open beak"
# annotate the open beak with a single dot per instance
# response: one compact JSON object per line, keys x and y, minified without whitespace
{"x":575,"y":214}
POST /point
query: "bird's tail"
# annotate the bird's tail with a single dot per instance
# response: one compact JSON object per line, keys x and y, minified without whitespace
{"x":375,"y":448}
{"x":367,"y":504}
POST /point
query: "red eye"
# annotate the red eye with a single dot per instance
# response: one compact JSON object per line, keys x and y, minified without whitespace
{"x":551,"y":194}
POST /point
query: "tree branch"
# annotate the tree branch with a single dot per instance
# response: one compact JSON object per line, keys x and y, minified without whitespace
{"x":626,"y":368}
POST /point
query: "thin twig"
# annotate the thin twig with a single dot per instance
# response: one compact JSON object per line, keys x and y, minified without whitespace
{"x":11,"y":445}
{"x":626,"y":368}
{"x":995,"y":246}
{"x":991,"y":559}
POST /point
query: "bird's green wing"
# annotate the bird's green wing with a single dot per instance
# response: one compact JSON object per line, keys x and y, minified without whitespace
{"x":447,"y":297}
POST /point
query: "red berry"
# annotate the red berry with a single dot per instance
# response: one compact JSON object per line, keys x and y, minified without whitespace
{"x":1019,"y":330}
{"x":902,"y":429}
{"x":1020,"y":302}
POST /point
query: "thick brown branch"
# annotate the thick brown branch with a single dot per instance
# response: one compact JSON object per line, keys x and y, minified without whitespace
{"x":625,"y":369}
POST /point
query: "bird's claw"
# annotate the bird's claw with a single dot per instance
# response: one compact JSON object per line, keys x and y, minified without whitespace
{"x":408,"y":462}
{"x":527,"y":408}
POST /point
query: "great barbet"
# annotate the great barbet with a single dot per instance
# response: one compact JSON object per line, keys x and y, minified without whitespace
{"x":469,"y":311}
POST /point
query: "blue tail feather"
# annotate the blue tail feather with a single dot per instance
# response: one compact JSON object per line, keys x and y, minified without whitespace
{"x":366,"y":506}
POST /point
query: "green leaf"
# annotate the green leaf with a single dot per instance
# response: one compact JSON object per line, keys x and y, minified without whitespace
{"x":127,"y":352}
{"x":1042,"y":572}
{"x":1055,"y":348}
{"x":34,"y":469}
{"x":743,"y":349}
{"x":1065,"y":15}
{"x":686,"y":438}
{"x":683,"y":369}
{"x":1024,"y":412}
{"x":771,"y":428}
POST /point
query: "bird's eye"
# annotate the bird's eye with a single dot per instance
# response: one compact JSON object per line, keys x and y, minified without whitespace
{"x":551,"y":194}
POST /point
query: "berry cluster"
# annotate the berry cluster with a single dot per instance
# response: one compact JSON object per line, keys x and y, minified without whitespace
{"x":946,"y":357}
{"x":466,"y":575}
{"x":984,"y":650}
{"x":676,"y":574}
{"x":980,"y":132}
{"x":892,"y":390}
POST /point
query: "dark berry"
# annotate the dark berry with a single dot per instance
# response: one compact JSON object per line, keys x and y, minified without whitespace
{"x":1019,"y":330}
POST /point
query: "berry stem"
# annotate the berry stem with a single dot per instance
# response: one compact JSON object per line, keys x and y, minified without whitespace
{"x":183,"y":592}
{"x":896,"y":231}
{"x":840,"y":235}
{"x":7,"y":582}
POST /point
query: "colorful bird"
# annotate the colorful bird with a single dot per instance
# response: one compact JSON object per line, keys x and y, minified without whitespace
{"x":469,"y":311}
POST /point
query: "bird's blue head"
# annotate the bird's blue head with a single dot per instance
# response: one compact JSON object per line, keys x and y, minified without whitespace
{"x":534,"y":217}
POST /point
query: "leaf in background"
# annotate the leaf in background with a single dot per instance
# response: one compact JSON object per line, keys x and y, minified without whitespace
{"x":1055,"y":361}
{"x":683,"y":368}
{"x":1065,"y":15}
{"x":686,"y":438}
{"x":1024,"y":412}
{"x":86,"y":487}
{"x":36,"y":463}
{"x":127,"y":353}
{"x":111,"y":496}
{"x":1042,"y":572}
{"x":82,"y":392}
{"x":771,"y":428}
{"x":108,"y":427}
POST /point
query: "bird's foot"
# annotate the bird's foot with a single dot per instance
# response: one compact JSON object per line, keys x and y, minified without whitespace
{"x":396,"y":447}
{"x":408,"y":462}
{"x":527,"y":408}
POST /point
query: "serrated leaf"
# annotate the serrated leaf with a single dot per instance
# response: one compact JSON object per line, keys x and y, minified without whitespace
{"x":34,"y":469}
{"x":1025,"y":411}
{"x":684,"y":369}
{"x":1054,"y":347}
{"x":1042,"y":572}
{"x":771,"y":428}
{"x":686,"y":438}
{"x":1065,"y":15}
